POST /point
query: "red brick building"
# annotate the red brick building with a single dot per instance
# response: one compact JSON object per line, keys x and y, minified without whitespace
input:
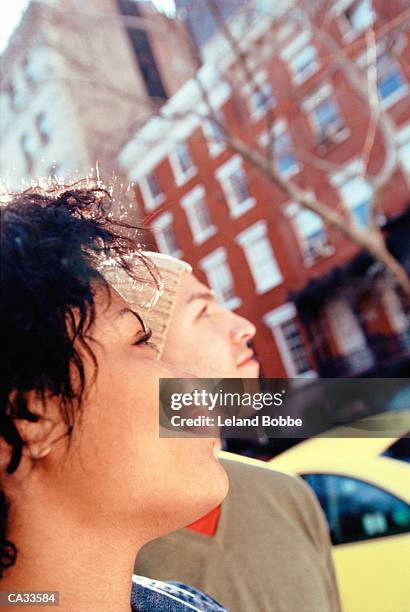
{"x":321,"y":306}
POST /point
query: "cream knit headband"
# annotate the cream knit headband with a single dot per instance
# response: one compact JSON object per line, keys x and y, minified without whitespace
{"x":152,"y":297}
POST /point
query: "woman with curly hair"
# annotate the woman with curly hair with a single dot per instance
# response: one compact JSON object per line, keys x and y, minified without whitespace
{"x":85,"y":478}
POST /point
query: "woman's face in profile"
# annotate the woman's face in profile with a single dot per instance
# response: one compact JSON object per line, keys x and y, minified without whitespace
{"x":117,"y":470}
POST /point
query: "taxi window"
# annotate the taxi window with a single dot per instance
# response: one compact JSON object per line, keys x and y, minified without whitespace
{"x":399,"y":450}
{"x":357,"y":510}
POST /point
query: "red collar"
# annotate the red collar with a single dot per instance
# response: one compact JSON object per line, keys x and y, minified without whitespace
{"x":207,"y":524}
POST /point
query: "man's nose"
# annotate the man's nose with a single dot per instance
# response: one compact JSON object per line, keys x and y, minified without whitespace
{"x":242,"y":329}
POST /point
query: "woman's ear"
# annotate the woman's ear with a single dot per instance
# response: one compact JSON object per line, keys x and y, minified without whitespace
{"x":39,"y":434}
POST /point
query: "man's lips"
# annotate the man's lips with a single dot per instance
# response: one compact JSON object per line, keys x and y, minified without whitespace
{"x":245,"y":358}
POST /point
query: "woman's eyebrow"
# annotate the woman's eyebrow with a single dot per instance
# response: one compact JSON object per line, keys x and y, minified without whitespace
{"x":125,"y":311}
{"x":202,"y":295}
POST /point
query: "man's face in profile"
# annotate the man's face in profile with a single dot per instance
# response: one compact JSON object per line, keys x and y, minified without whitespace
{"x":206,"y":339}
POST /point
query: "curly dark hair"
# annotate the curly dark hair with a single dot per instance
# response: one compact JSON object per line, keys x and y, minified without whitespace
{"x":51,"y":241}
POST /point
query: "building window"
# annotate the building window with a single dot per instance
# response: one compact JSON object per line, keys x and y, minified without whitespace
{"x":349,"y":335}
{"x":261,"y":100}
{"x":43,"y":128}
{"x":182,"y":164}
{"x":260,"y":96}
{"x":165,"y":235}
{"x":285,"y":329}
{"x":403,"y":142}
{"x":284,"y":155}
{"x":214,"y":135}
{"x":282,"y":151}
{"x":151,"y":191}
{"x":356,"y":192}
{"x":198,"y":216}
{"x":144,"y":53}
{"x":15,"y":96}
{"x":28,"y":70}
{"x":325,"y":116}
{"x":358,"y":16}
{"x":234,"y":184}
{"x":28,"y":148}
{"x":391,"y":83}
{"x":310,"y":232}
{"x":259,"y":254}
{"x":220,"y":279}
{"x":301,"y":57}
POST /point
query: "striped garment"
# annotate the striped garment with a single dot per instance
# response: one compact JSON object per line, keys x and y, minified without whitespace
{"x":154,"y":596}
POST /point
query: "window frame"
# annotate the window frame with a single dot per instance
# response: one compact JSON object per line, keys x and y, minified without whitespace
{"x":158,"y":225}
{"x":223,"y":173}
{"x":262,"y":86}
{"x":280,"y":128}
{"x":181,"y":176}
{"x":353,"y":170}
{"x":212,"y":261}
{"x":398,"y":94}
{"x":253,"y":234}
{"x":188,"y":203}
{"x":293,"y":50}
{"x":403,"y":140}
{"x":28,"y":148}
{"x":332,"y":132}
{"x":150,"y":202}
{"x":209,"y":129}
{"x":41,"y":120}
{"x":274,"y":319}
{"x":324,"y":249}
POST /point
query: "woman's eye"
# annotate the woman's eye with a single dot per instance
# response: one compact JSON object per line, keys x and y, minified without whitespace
{"x":143,"y":337}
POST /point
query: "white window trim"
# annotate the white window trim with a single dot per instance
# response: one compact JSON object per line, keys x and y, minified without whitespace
{"x":188,"y":202}
{"x":291,"y":212}
{"x":396,"y":96}
{"x":252,"y":233}
{"x":215,"y":147}
{"x":158,"y":225}
{"x":273,"y":320}
{"x":150,"y":202}
{"x":296,"y":45}
{"x":260,"y":79}
{"x":280,"y":126}
{"x":222,"y":174}
{"x":352,"y":169}
{"x":247,"y":237}
{"x":349,"y":33}
{"x":362,"y":62}
{"x":310,"y":103}
{"x":181,"y":177}
{"x":402,"y":137}
{"x":315,"y":99}
{"x":212,"y":260}
{"x":294,"y":48}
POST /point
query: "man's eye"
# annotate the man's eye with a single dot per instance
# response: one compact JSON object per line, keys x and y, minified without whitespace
{"x":143,"y":337}
{"x":204,"y":312}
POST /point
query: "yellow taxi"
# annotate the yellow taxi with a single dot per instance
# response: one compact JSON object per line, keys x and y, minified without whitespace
{"x":363,"y":486}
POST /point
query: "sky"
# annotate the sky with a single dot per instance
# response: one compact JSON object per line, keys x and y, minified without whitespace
{"x":11,"y":11}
